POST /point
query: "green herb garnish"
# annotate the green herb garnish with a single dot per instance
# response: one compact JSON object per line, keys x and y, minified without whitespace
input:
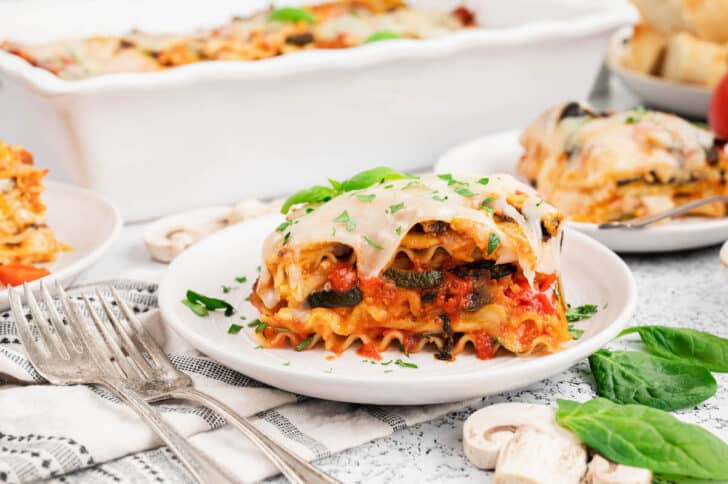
{"x":405,"y":364}
{"x":291,"y":15}
{"x":484,"y":180}
{"x":304,"y":344}
{"x":635,"y":377}
{"x":398,"y":230}
{"x":484,"y":204}
{"x":258,"y":325}
{"x":315,"y":194}
{"x":439,"y":198}
{"x":637,"y":114}
{"x":286,"y":237}
{"x":198,"y":309}
{"x":493,"y":242}
{"x":464,"y":192}
{"x":382,"y":35}
{"x":366,"y":198}
{"x":372,"y":243}
{"x":578,"y":313}
{"x":226,"y":289}
{"x":234,"y":328}
{"x":210,"y":303}
{"x":396,"y":208}
{"x":241,"y":279}
{"x":344,"y":218}
{"x":283,"y":226}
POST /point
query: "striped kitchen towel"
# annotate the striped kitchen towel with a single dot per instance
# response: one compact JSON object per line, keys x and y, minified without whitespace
{"x":85,"y":434}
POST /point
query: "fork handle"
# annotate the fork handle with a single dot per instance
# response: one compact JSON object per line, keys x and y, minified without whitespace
{"x":197,"y":464}
{"x":295,"y":469}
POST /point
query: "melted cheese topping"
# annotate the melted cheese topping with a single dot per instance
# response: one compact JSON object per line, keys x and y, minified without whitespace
{"x":374,"y":229}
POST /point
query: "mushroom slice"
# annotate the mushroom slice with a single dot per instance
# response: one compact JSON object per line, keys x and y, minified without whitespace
{"x":533,"y":456}
{"x":602,"y":471}
{"x":252,"y":207}
{"x":169,"y":236}
{"x":489,"y":429}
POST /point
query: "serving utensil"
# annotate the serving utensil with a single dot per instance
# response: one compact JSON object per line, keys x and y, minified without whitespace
{"x":158,"y":379}
{"x":71,"y":349}
{"x":640,"y":222}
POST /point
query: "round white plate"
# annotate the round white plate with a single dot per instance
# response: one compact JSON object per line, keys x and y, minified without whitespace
{"x":82,"y":219}
{"x":499,"y":153}
{"x":592,"y":274}
{"x":687,"y":99}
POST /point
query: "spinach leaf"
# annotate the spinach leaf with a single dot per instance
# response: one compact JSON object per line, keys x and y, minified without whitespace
{"x":209,"y":303}
{"x":314,"y":194}
{"x":635,"y":377}
{"x":641,"y":436}
{"x":367,"y":178}
{"x":688,"y":345}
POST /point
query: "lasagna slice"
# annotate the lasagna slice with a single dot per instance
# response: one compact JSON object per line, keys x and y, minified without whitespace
{"x":599,"y":167}
{"x":24,"y":236}
{"x":441,"y":261}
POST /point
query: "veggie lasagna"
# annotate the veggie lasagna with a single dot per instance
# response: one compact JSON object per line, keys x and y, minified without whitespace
{"x":331,"y":25}
{"x":599,"y":167}
{"x":384,"y":259}
{"x":24,"y":236}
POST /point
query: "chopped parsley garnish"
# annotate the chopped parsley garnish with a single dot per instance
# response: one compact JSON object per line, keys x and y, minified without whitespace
{"x":195,"y":299}
{"x":484,"y":180}
{"x":388,"y":186}
{"x":333,"y":232}
{"x":226,"y":289}
{"x":439,"y":198}
{"x":493,"y":242}
{"x":234,"y":328}
{"x":304,"y":344}
{"x":258,"y":268}
{"x":283,"y":226}
{"x":247,"y":298}
{"x":540,"y":202}
{"x":385,"y":363}
{"x":450,"y":180}
{"x":241,"y":279}
{"x":396,"y":208}
{"x":259,"y":347}
{"x":464,"y":192}
{"x":258,"y":325}
{"x":575,"y":333}
{"x":485,"y":204}
{"x":382,"y":35}
{"x":287,"y":363}
{"x":398,"y":230}
{"x":345,"y":219}
{"x":637,"y":114}
{"x":291,"y":15}
{"x":578,"y":313}
{"x":286,"y":237}
{"x":309,"y":210}
{"x":366,"y":198}
{"x":405,"y":364}
{"x":243,"y":318}
{"x":372,"y":243}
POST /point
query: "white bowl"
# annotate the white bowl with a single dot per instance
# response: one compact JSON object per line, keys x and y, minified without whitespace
{"x":213,"y":132}
{"x":687,"y":99}
{"x":592,"y":274}
{"x":499,"y":153}
{"x":82,"y":219}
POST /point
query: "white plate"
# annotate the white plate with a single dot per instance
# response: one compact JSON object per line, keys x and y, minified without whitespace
{"x":687,"y":99}
{"x":499,"y":153}
{"x":82,"y":219}
{"x":592,"y":274}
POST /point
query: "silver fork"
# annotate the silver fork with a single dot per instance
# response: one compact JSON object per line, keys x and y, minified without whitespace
{"x":640,"y":222}
{"x":75,"y":353}
{"x":157,"y":379}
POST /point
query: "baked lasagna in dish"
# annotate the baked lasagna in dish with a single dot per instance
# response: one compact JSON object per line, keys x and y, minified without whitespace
{"x":443,"y":261}
{"x":24,"y":237}
{"x":331,"y":25}
{"x":600,"y":167}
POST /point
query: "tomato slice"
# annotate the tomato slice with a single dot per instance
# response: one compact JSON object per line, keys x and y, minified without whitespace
{"x":16,"y":274}
{"x":718,"y":114}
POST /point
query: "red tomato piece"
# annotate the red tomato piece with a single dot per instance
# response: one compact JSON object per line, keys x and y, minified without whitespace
{"x":16,"y":274}
{"x":718,"y":114}
{"x":342,"y":277}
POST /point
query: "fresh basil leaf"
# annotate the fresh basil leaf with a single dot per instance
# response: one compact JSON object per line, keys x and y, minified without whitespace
{"x":367,"y":178}
{"x":578,"y":313}
{"x":315,"y":194}
{"x":198,"y":309}
{"x":686,"y":344}
{"x":493,"y":242}
{"x":291,"y":15}
{"x":382,"y":35}
{"x":636,"y":377}
{"x":640,"y":436}
{"x":210,"y":302}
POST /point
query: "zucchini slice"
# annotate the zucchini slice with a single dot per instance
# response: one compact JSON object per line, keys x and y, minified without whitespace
{"x":414,"y":280}
{"x":334,"y":299}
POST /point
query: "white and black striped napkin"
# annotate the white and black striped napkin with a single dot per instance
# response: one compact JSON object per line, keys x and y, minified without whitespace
{"x":85,"y":434}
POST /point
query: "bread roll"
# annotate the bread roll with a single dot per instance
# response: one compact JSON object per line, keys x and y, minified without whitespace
{"x":709,"y":18}
{"x":645,"y":50}
{"x":689,"y":59}
{"x":666,"y":16}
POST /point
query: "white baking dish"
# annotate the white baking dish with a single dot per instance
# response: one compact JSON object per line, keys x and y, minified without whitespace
{"x":214,"y":132}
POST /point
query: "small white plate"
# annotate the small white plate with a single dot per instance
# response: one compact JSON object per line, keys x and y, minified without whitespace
{"x":81,"y":219}
{"x":687,"y":99}
{"x":591,"y":272}
{"x":499,"y":153}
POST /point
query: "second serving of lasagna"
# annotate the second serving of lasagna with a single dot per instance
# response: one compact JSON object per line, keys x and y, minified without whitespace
{"x":600,"y":167}
{"x":439,"y":261}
